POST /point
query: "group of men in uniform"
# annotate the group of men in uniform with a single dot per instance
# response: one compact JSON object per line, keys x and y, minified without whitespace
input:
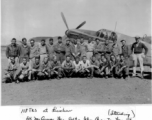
{"x":72,"y":59}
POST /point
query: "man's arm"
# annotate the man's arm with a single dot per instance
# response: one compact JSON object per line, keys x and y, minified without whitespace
{"x":132,"y":48}
{"x":146,"y":49}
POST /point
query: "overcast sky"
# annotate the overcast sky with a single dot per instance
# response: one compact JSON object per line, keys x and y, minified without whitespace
{"x":31,"y":18}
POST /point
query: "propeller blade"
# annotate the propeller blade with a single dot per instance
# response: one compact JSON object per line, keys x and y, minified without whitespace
{"x":81,"y":25}
{"x":64,"y":20}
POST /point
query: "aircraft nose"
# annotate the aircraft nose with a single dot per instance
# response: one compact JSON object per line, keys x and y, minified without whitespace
{"x":66,"y":32}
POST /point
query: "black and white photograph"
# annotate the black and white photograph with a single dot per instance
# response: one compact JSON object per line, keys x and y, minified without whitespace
{"x":79,"y":52}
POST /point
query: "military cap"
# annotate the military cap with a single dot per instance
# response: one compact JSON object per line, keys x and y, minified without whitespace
{"x":137,"y":37}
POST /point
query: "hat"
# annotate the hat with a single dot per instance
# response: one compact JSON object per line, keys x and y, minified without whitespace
{"x":137,"y":37}
{"x":123,"y":40}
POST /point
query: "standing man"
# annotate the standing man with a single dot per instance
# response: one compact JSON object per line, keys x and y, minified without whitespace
{"x":34,"y":51}
{"x":97,"y":49}
{"x":76,"y":50}
{"x":50,"y":48}
{"x":115,"y":48}
{"x":13,"y":50}
{"x":59,"y":49}
{"x":124,"y":49}
{"x":83,"y":47}
{"x":137,"y":54}
{"x":90,"y":47}
{"x":24,"y":50}
{"x":43,"y":51}
{"x":68,"y":49}
{"x":106,"y":48}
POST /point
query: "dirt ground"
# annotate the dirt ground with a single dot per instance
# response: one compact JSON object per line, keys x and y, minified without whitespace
{"x":76,"y":91}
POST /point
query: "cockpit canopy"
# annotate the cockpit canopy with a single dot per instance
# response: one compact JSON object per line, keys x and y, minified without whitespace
{"x":106,"y":34}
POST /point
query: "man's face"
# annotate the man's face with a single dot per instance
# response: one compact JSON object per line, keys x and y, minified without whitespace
{"x":137,"y":39}
{"x":32,"y":43}
{"x":118,"y":57}
{"x":93,"y":59}
{"x":106,"y":42}
{"x":122,"y":57}
{"x":115,"y":41}
{"x":89,"y":41}
{"x":13,"y":42}
{"x":97,"y":41}
{"x":75,"y":41}
{"x":68,"y":59}
{"x":59,"y":40}
{"x":12,"y":60}
{"x":123,"y":43}
{"x":24,"y":61}
{"x":37,"y":61}
{"x":24,"y":41}
{"x":55,"y":59}
{"x":51,"y":42}
{"x":42,"y":42}
{"x":67,"y":42}
{"x":84,"y":59}
{"x":77,"y":60}
{"x":81,"y":40}
{"x":46,"y":59}
{"x":113,"y":58}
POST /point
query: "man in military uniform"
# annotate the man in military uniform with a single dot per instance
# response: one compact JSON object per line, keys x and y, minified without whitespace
{"x":97,"y":49}
{"x":124,"y":49}
{"x":106,"y":48}
{"x":24,"y":50}
{"x":68,"y":67}
{"x":11,"y":71}
{"x":115,"y":48}
{"x":50,"y":48}
{"x":90,"y":46}
{"x":59,"y":49}
{"x":68,"y":50}
{"x":13,"y":50}
{"x":56,"y":69}
{"x":76,"y":50}
{"x":83,"y":47}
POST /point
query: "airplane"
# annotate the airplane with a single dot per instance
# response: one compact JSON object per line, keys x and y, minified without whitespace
{"x":101,"y":34}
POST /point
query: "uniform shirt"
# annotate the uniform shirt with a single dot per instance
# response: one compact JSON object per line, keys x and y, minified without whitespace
{"x":139,"y":48}
{"x":86,"y":64}
{"x":106,"y":48}
{"x":34,"y":51}
{"x":76,"y":49}
{"x":12,"y":67}
{"x":104,"y":64}
{"x":67,"y":49}
{"x":84,"y":49}
{"x":24,"y":51}
{"x":43,"y":49}
{"x":50,"y":49}
{"x":66,"y":64}
{"x":115,"y":49}
{"x":98,"y":47}
{"x":112,"y":63}
{"x":122,"y":63}
{"x":25,"y":67}
{"x":45,"y":66}
{"x":96,"y":62}
{"x":55,"y":64}
{"x":36,"y":66}
{"x":125,"y":50}
{"x":12,"y":51}
{"x":77,"y":65}
{"x":90,"y":46}
{"x":59,"y":48}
